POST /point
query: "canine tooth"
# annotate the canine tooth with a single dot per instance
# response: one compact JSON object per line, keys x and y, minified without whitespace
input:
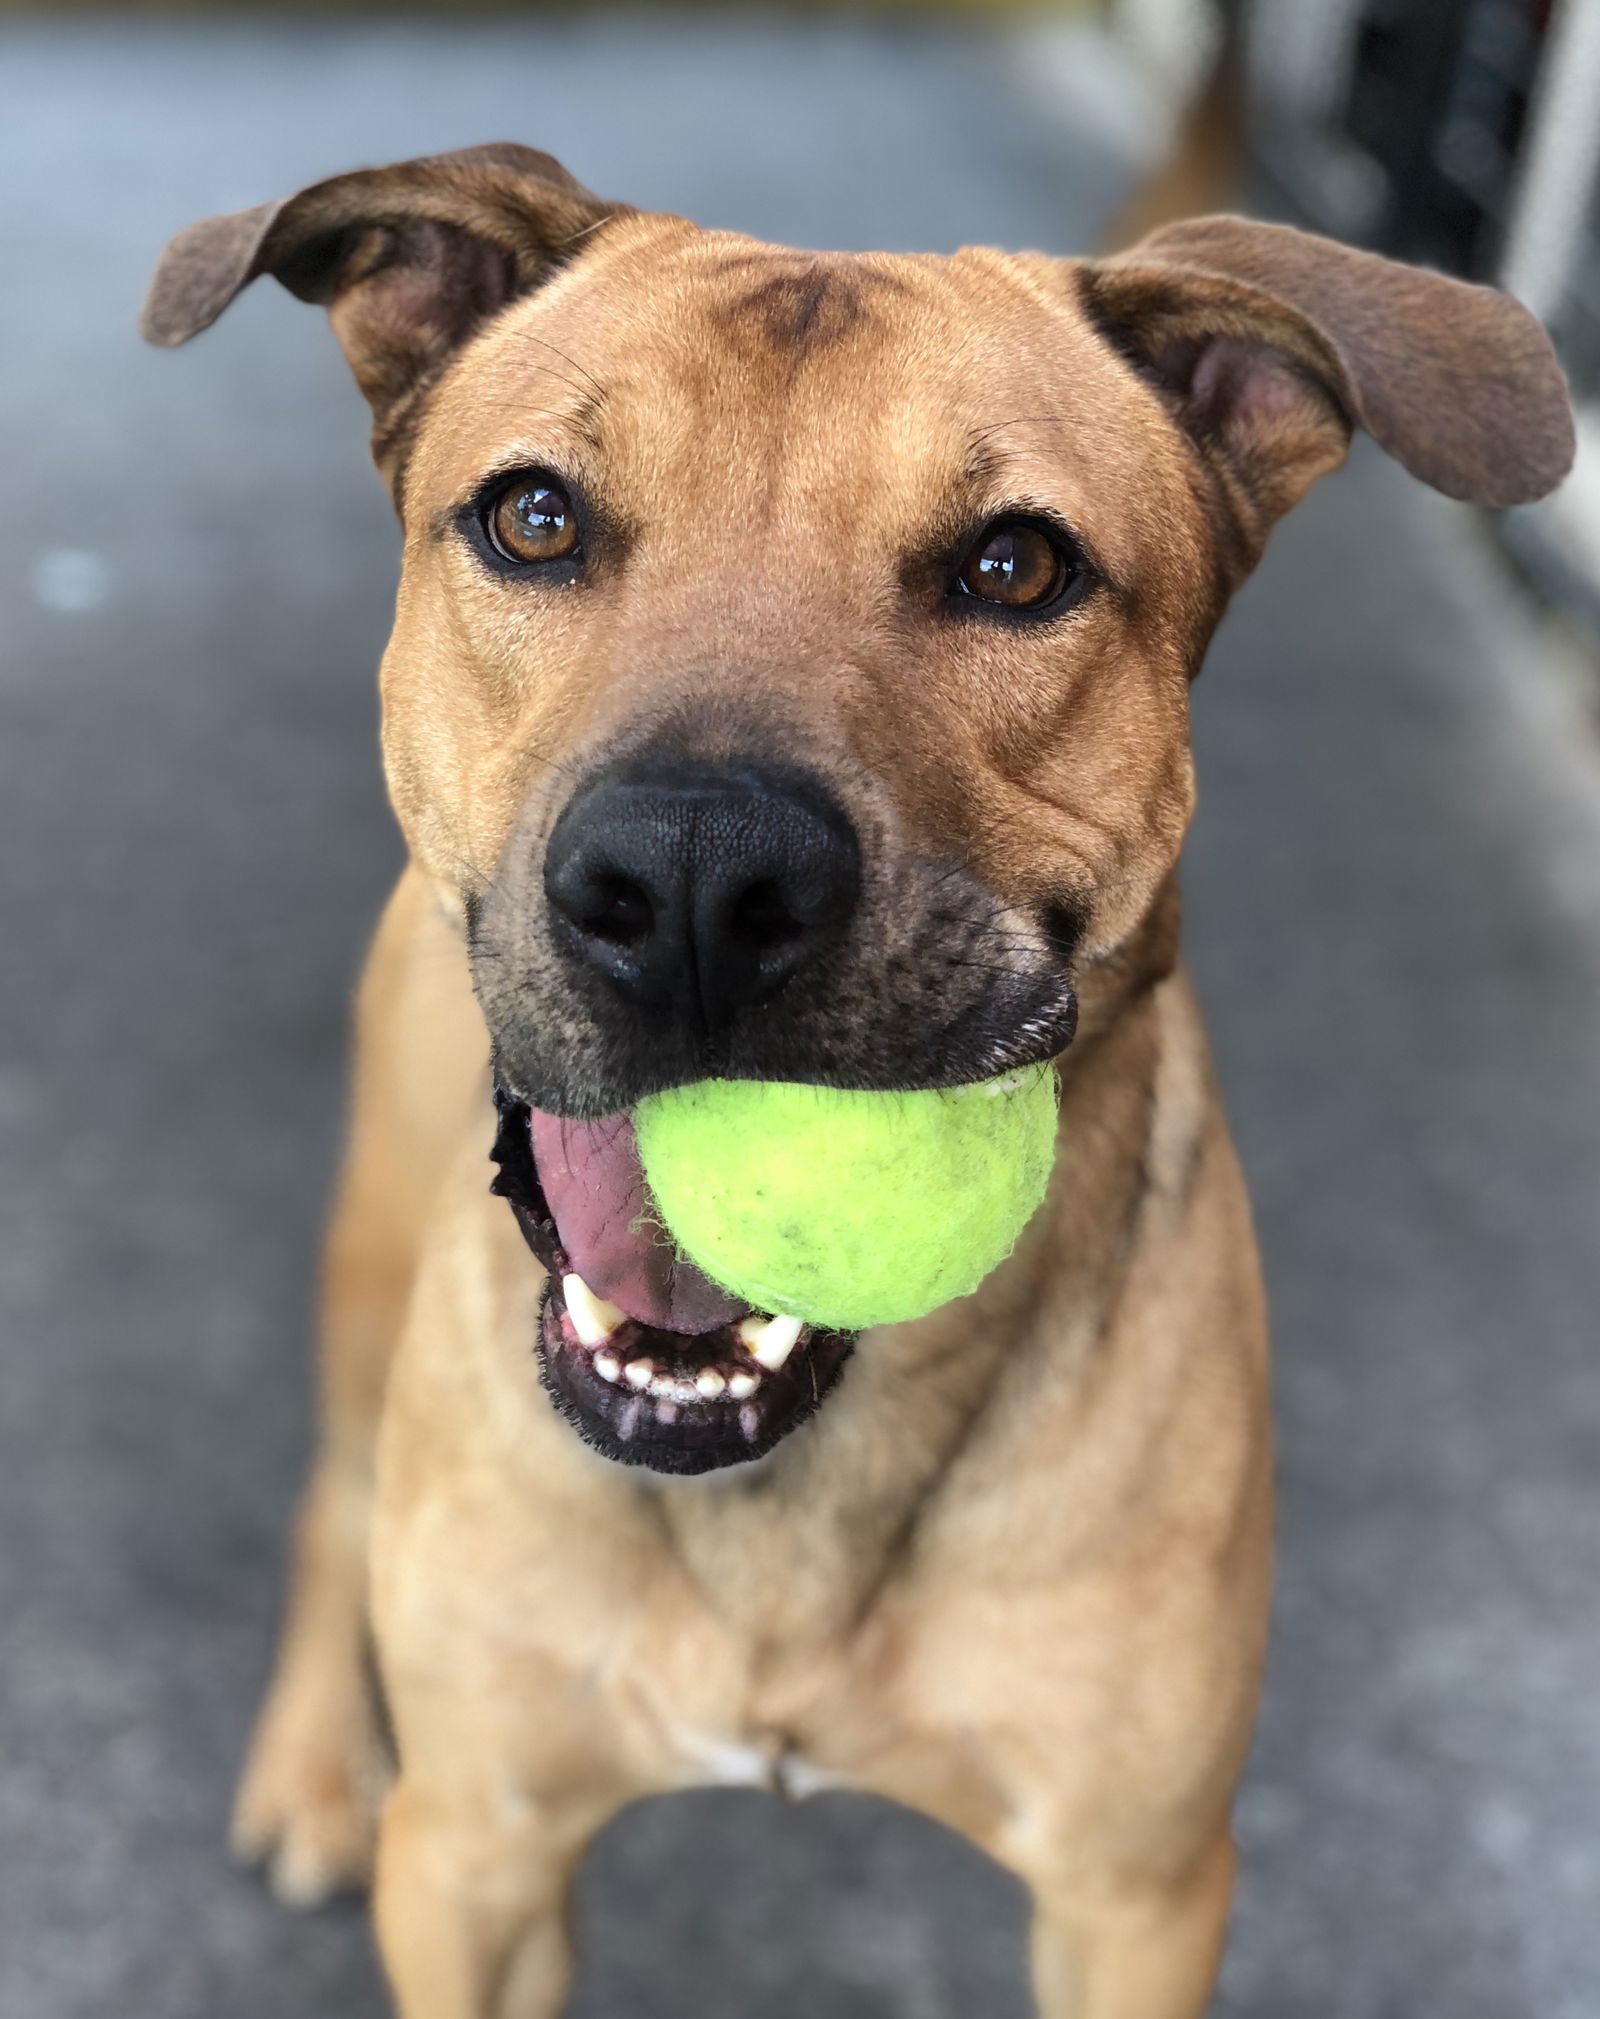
{"x":770,"y":1340}
{"x":709,"y":1383}
{"x":593,"y":1319}
{"x":608,"y":1366}
{"x":640,"y":1372}
{"x":741,"y":1384}
{"x":666,"y":1412}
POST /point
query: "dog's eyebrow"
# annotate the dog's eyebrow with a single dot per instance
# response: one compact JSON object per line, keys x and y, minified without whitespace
{"x":983,"y":466}
{"x":983,"y":458}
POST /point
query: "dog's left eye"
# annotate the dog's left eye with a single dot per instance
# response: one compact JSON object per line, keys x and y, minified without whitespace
{"x":532,"y":520}
{"x":1018,"y":564}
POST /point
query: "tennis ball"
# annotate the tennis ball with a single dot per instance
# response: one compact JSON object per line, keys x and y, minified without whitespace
{"x":848,"y":1209}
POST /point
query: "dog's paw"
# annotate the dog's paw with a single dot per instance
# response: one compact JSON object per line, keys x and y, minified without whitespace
{"x":307,"y":1807}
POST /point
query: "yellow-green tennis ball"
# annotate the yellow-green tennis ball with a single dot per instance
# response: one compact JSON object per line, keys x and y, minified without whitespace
{"x":849,"y":1209}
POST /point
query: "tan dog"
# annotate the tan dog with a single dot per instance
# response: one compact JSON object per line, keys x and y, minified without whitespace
{"x":790,"y":681}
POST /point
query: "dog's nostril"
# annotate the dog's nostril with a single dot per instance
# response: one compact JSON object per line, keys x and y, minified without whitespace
{"x":1063,"y":928}
{"x":619,"y":912}
{"x":761,"y":917}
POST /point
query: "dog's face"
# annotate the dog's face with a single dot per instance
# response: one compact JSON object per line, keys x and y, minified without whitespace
{"x":891,"y":562}
{"x":791,"y":668}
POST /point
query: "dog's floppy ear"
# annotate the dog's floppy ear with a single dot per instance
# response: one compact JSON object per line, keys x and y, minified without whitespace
{"x":1273,"y":344}
{"x":409,"y":261}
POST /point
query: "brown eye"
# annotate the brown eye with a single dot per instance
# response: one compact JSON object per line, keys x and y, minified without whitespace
{"x":533,"y":520}
{"x":1016,"y":564}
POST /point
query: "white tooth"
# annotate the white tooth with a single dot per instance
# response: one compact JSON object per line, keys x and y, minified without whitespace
{"x":608,"y":1366}
{"x":593,"y":1319}
{"x":639,"y":1372}
{"x":709,"y":1383}
{"x":770,"y":1340}
{"x":663,"y":1384}
{"x":741,"y":1384}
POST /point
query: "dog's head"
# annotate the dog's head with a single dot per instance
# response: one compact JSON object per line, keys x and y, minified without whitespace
{"x":790,"y":678}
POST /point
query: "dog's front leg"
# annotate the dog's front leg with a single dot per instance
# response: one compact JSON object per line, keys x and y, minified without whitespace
{"x":308,"y":1799}
{"x":509,"y":1762}
{"x":471,"y":1901}
{"x":1142,"y":1950}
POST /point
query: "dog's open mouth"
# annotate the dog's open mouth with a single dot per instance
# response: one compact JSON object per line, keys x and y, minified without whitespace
{"x":649,"y":1360}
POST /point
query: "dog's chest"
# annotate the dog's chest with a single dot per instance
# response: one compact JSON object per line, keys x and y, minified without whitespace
{"x":772,"y":1764}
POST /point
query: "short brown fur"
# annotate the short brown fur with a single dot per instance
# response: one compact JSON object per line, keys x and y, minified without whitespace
{"x":814,"y":306}
{"x":1015,"y":1572}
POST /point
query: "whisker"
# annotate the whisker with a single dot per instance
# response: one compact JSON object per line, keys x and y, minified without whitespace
{"x":980,"y":435}
{"x":591,"y":382}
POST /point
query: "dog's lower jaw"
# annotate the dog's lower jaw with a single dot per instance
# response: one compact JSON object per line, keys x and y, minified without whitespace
{"x":677,"y":1404}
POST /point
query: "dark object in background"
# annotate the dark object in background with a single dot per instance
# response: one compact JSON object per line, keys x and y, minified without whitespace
{"x":1423,"y":108}
{"x":1464,"y":135}
{"x":1439,"y":98}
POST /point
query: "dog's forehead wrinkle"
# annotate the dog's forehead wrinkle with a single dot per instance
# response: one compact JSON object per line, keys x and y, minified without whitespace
{"x":807,"y":305}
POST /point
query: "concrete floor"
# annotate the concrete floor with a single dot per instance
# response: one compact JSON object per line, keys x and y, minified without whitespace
{"x":1394,"y":909}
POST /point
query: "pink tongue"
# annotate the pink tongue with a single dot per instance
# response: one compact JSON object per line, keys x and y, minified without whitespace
{"x":594,"y":1186}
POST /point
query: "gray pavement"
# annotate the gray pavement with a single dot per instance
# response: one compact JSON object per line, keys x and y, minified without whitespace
{"x":1394,"y":898}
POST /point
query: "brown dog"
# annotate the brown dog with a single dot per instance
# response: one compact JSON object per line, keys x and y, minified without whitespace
{"x":790,"y":681}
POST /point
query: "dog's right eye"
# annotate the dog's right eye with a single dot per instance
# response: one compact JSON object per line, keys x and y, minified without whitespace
{"x":1017,"y":565}
{"x":531,"y":519}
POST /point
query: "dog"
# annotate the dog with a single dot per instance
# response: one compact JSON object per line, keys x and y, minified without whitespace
{"x":790,"y":681}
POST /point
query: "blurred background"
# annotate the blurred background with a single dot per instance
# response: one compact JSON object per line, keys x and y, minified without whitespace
{"x":1394,"y":910}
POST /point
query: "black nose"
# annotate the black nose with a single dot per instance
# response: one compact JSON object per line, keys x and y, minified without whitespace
{"x":698,"y":889}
